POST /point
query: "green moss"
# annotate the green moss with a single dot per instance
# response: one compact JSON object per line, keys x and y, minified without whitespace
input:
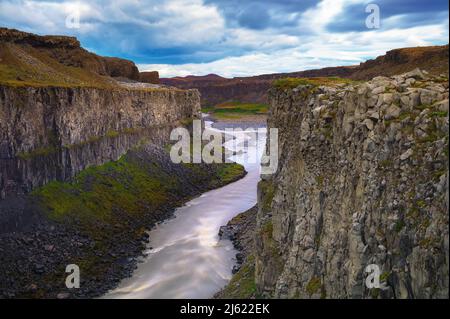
{"x":421,"y":203}
{"x":438,"y":114}
{"x":438,"y":173}
{"x":385,"y":276}
{"x":267,"y":192}
{"x":422,"y":107}
{"x":313,"y":286}
{"x":385,"y":164}
{"x":319,"y":181}
{"x":42,"y":151}
{"x":375,"y":293}
{"x":112,"y":133}
{"x":291,"y":83}
{"x":327,"y":131}
{"x":267,"y":230}
{"x":427,"y":242}
{"x":186,"y":122}
{"x":242,"y":285}
{"x":229,"y":172}
{"x":109,"y":134}
{"x":236,"y":110}
{"x":399,"y":225}
{"x":97,"y":192}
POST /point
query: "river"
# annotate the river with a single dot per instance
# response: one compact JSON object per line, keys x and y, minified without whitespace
{"x":185,"y":257}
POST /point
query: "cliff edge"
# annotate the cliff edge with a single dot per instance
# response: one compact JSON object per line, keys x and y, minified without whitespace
{"x":29,"y":59}
{"x":362,"y":180}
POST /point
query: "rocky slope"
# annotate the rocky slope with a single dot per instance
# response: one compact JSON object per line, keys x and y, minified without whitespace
{"x":26,"y":57}
{"x":362,"y":179}
{"x":240,"y":230}
{"x":216,"y":89}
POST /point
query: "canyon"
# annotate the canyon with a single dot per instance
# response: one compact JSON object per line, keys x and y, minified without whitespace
{"x":86,"y":178}
{"x":84,"y":166}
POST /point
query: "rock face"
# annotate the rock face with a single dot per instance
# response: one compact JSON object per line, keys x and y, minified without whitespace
{"x":362,"y":179}
{"x":216,"y":89}
{"x":52,"y":133}
{"x":149,"y":77}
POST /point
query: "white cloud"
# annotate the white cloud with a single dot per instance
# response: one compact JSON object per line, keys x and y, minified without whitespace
{"x":318,"y":51}
{"x":194,"y":31}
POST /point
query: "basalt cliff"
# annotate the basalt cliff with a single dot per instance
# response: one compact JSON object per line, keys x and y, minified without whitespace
{"x":61,"y":111}
{"x":52,"y":133}
{"x":362,"y":180}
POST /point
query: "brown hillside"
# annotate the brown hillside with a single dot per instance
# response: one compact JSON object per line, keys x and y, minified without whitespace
{"x":216,"y":89}
{"x":26,"y":58}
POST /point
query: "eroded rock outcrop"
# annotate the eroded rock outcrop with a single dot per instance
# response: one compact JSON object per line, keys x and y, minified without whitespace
{"x":66,"y":51}
{"x":362,"y":179}
{"x":149,"y":77}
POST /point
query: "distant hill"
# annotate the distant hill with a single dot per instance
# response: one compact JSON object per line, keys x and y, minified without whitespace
{"x":216,"y":89}
{"x":29,"y":59}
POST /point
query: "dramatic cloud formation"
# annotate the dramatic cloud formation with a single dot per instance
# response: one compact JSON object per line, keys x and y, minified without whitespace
{"x":234,"y":37}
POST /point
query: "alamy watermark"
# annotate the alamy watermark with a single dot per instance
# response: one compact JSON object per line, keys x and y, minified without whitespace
{"x":373,"y":280}
{"x":373,"y":20}
{"x":73,"y":280}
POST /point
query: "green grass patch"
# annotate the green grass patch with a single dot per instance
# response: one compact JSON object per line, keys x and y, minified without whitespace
{"x":291,"y":83}
{"x":42,"y":151}
{"x":242,"y":285}
{"x":267,"y":230}
{"x":438,"y":114}
{"x":236,"y":110}
{"x":28,"y":66}
{"x":229,"y":172}
{"x":313,"y":286}
{"x":97,"y":192}
{"x":267,"y":192}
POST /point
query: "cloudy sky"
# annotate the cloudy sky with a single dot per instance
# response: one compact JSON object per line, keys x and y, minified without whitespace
{"x":234,"y":37}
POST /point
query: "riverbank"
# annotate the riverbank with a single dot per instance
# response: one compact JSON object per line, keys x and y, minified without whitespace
{"x":241,"y":231}
{"x":99,"y":221}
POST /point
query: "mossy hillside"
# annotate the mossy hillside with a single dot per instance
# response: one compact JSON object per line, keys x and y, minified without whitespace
{"x":26,"y":66}
{"x":131,"y":186}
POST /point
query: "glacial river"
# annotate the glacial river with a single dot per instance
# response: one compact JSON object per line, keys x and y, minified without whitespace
{"x":185,"y":258}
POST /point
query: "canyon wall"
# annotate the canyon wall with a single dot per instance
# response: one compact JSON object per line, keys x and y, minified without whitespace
{"x":362,"y":179}
{"x":51,"y":133}
{"x":216,"y":89}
